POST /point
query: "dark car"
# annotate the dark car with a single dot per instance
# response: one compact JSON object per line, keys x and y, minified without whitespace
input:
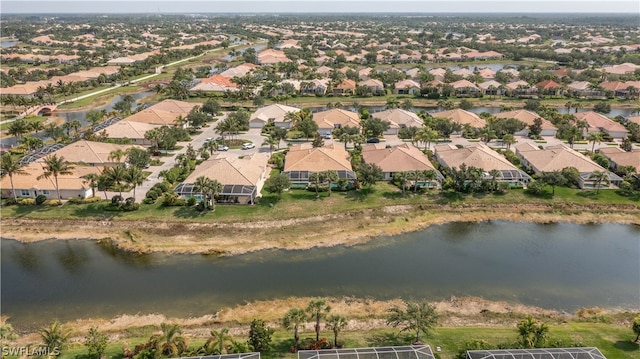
{"x":373,"y":140}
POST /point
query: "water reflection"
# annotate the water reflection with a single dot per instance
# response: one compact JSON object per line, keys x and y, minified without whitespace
{"x":73,"y":258}
{"x":110,"y":248}
{"x":27,"y":257}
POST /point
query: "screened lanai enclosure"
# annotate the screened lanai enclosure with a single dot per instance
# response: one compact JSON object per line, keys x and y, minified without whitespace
{"x":255,"y":355}
{"x":230,"y":194}
{"x":515,"y":178}
{"x":400,"y":352}
{"x":41,"y":152}
{"x":300,"y":179}
{"x":548,"y":353}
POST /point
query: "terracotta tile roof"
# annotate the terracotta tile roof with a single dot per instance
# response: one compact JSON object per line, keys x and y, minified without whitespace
{"x":219,"y":79}
{"x":30,"y":181}
{"x":462,"y":117}
{"x":464,"y":84}
{"x":129,"y":129}
{"x":635,"y":119}
{"x":477,"y":155}
{"x":399,"y":117}
{"x":514,"y":85}
{"x":230,"y":170}
{"x":396,"y":159}
{"x":555,"y":158}
{"x":548,"y":84}
{"x":90,"y":152}
{"x":485,"y":85}
{"x":336,"y":116}
{"x":307,"y":158}
{"x":600,"y":122}
{"x":163,"y":113}
{"x":406,"y":83}
{"x":621,"y":157}
{"x":371,"y":83}
{"x":527,"y":117}
{"x":277,"y":112}
{"x":347,"y":84}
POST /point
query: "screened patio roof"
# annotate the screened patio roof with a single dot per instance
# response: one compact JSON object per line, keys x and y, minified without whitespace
{"x":188,"y":190}
{"x":547,"y":353}
{"x":400,"y":352}
{"x":255,"y":355}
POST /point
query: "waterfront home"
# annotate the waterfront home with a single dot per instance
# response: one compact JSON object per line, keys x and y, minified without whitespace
{"x":275,"y":114}
{"x":239,"y":71}
{"x":556,"y":158}
{"x":462,"y":117}
{"x":599,"y":122}
{"x":92,"y":153}
{"x":549,"y":87}
{"x":241,"y":178}
{"x":492,"y":88}
{"x":329,"y":120}
{"x":584,"y":89}
{"x":398,"y":118}
{"x":345,"y":88}
{"x":522,"y":88}
{"x":406,"y":87}
{"x":303,"y":160}
{"x":402,"y":158}
{"x":528,"y":117}
{"x":30,"y":186}
{"x":164,"y":113}
{"x":375,"y":87}
{"x":480,"y":156}
{"x":619,"y":157}
{"x":217,"y":84}
{"x":272,"y":56}
{"x":130,"y":130}
{"x":465,"y":88}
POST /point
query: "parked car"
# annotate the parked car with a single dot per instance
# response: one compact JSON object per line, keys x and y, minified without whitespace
{"x":208,"y":139}
{"x":373,"y":140}
{"x":327,"y":136}
{"x":223,"y":148}
{"x":246,"y":146}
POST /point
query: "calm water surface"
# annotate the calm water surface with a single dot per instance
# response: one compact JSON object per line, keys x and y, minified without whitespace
{"x":558,"y":266}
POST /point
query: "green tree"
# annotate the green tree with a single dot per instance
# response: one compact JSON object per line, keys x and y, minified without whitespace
{"x":55,"y":337}
{"x":138,"y":157}
{"x":316,"y":179}
{"x":508,"y":140}
{"x":417,"y":317}
{"x":536,"y":128}
{"x":93,"y":179}
{"x":330,"y":177}
{"x":134,"y":177}
{"x":599,"y":177}
{"x":277,"y":184}
{"x":369,"y":174}
{"x":593,"y":138}
{"x":336,"y":323}
{"x":602,"y":107}
{"x":259,"y":335}
{"x":292,"y":320}
{"x":553,"y":179}
{"x":374,"y":127}
{"x":56,"y":166}
{"x":318,"y":309}
{"x":170,"y":341}
{"x":9,"y":167}
{"x":271,"y":142}
{"x":116,"y":175}
{"x":532,"y":334}
{"x":210,"y":188}
{"x":217,"y":340}
{"x":95,"y":342}
{"x":307,"y":126}
{"x":402,"y":180}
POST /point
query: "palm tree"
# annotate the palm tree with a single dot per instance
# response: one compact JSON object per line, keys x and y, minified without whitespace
{"x":599,"y":177}
{"x":316,"y":178}
{"x":210,"y":189}
{"x":116,"y":155}
{"x":116,"y":175}
{"x":317,"y":309}
{"x":271,"y":142}
{"x":336,"y":323}
{"x":93,"y":179}
{"x":593,"y":138}
{"x":216,"y":341}
{"x":56,"y":166}
{"x":134,"y":176}
{"x":55,"y":336}
{"x":172,"y":344}
{"x":330,"y":176}
{"x":292,"y":320}
{"x":508,"y":140}
{"x":9,"y":167}
{"x":495,"y":174}
{"x":402,"y":178}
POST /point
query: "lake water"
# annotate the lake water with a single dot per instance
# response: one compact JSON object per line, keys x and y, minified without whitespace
{"x":7,"y":44}
{"x":81,"y":115}
{"x":558,"y":266}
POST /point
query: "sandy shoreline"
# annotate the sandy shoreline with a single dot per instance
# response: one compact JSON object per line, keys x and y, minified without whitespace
{"x":348,"y":229}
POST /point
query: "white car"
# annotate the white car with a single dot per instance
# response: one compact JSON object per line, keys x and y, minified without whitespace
{"x":246,"y":146}
{"x":223,"y":148}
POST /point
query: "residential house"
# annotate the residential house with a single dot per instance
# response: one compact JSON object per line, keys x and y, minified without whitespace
{"x":522,"y":89}
{"x":492,"y":88}
{"x":464,"y":72}
{"x":556,"y":158}
{"x":487,"y":73}
{"x":275,"y":114}
{"x":272,"y":56}
{"x":619,"y":157}
{"x":621,"y":69}
{"x":376,"y":87}
{"x":584,"y":89}
{"x":549,"y":87}
{"x":483,"y":157}
{"x":619,"y":89}
{"x":164,"y":113}
{"x":406,"y":87}
{"x":465,"y":88}
{"x":599,"y":122}
{"x":438,"y":73}
{"x":30,"y":185}
{"x":130,"y":130}
{"x":402,"y":158}
{"x":314,"y":87}
{"x":303,"y":160}
{"x":634,"y":119}
{"x":462,"y":117}
{"x":528,"y":117}
{"x":215,"y":84}
{"x":242,"y":178}
{"x":92,"y":153}
{"x":239,"y":71}
{"x":398,"y":118}
{"x":335,"y":118}
{"x":345,"y":88}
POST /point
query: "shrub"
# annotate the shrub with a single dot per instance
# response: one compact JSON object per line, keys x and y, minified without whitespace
{"x":117,"y":200}
{"x":153,"y":194}
{"x":191,"y":201}
{"x":52,"y":202}
{"x":10,"y":202}
{"x":149,"y":201}
{"x":26,"y":201}
{"x":40,"y":199}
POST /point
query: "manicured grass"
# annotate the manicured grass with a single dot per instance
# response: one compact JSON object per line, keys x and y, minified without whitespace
{"x":297,"y":201}
{"x":614,"y":341}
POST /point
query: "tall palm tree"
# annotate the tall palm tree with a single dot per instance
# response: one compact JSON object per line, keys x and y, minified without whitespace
{"x":508,"y":140}
{"x":292,"y":320}
{"x":402,"y":178}
{"x":593,"y":138}
{"x":55,"y":336}
{"x":210,"y":188}
{"x":316,"y":178}
{"x":9,"y":167}
{"x":336,"y":323}
{"x":318,"y":309}
{"x":495,"y":174}
{"x":56,"y":166}
{"x":599,"y":177}
{"x":93,"y":179}
{"x":331,"y":177}
{"x":133,"y":175}
{"x":116,"y":155}
{"x":271,"y":142}
{"x":217,"y":340}
{"x":116,"y":175}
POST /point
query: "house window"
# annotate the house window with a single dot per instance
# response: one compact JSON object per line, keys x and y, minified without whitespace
{"x":45,"y":192}
{"x":24,"y":193}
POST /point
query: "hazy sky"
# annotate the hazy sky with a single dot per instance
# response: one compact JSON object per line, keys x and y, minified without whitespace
{"x":323,"y":6}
